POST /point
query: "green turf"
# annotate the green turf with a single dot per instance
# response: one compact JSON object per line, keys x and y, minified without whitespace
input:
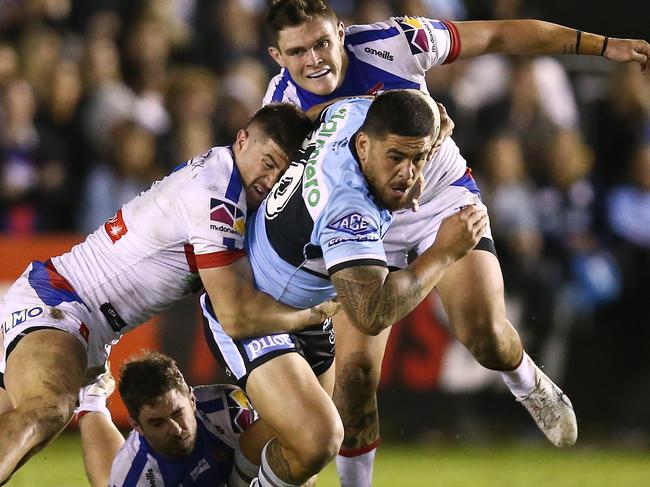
{"x":420,"y":466}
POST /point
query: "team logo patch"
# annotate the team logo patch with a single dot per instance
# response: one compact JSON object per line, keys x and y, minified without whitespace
{"x":115,"y":227}
{"x":353,"y":224}
{"x":416,"y":34}
{"x":227,"y":214}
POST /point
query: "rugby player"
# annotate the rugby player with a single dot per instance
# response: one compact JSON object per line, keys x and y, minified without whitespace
{"x":321,"y":60}
{"x":59,"y":319}
{"x":319,"y":233}
{"x":181,"y":435}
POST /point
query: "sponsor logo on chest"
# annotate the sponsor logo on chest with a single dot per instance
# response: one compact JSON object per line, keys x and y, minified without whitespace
{"x":387,"y":55}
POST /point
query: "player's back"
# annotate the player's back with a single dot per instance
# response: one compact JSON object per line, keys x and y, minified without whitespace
{"x":301,"y":229}
{"x":144,"y":258}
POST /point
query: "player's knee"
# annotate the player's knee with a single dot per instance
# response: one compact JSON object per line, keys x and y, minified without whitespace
{"x":325,"y":442}
{"x":358,"y":378}
{"x":489,"y":342}
{"x":48,"y":415}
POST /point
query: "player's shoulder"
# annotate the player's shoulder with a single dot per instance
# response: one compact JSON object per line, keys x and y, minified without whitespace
{"x":133,"y":461}
{"x":344,"y":110}
{"x":281,"y":89}
{"x":216,"y":172}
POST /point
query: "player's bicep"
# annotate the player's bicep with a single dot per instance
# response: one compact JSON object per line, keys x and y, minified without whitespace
{"x":230,"y":283}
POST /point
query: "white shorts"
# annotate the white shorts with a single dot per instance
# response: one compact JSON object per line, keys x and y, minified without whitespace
{"x":42,"y":298}
{"x":416,"y":231}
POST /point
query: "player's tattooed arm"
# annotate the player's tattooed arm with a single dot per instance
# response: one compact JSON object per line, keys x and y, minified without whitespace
{"x":374,"y":299}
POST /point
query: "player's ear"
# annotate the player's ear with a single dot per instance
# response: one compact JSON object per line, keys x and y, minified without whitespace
{"x":241,"y":139}
{"x":134,"y":424}
{"x":361,"y":144}
{"x":340,"y":32}
{"x":277,"y":57}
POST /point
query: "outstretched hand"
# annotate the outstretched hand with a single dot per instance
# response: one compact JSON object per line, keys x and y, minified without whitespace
{"x":629,"y":50}
{"x":460,"y":232}
{"x":326,"y":309}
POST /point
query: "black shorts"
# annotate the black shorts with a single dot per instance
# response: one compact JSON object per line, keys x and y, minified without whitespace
{"x":316,"y":344}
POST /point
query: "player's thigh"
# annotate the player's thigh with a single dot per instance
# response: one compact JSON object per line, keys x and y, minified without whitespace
{"x":5,"y":401}
{"x":45,"y":362}
{"x":327,"y":378}
{"x":357,"y":350}
{"x":289,"y":398}
{"x":471,"y":291}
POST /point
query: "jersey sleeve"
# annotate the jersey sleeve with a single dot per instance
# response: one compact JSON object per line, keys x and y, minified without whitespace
{"x":350,"y":232}
{"x":133,"y":467}
{"x":226,"y":411}
{"x":430,"y":42}
{"x":406,"y":47}
{"x":213,"y":210}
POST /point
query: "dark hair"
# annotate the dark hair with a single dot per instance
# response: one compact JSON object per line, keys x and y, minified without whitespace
{"x":145,"y":378}
{"x":285,"y":124}
{"x":399,"y":112}
{"x":290,"y":13}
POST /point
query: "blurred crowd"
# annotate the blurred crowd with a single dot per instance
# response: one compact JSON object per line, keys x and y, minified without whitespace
{"x":100,"y":98}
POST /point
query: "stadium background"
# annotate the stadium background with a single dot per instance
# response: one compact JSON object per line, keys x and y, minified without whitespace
{"x":98,"y":99}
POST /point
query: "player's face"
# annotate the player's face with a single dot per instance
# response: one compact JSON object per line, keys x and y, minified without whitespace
{"x":313,"y":54}
{"x":169,"y":424}
{"x":392,"y":165}
{"x":261,"y":162}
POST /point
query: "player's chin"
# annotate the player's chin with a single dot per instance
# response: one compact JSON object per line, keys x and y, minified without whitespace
{"x":254,"y":199}
{"x":321,"y":86}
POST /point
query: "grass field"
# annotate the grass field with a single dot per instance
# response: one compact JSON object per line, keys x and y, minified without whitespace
{"x":420,"y":466}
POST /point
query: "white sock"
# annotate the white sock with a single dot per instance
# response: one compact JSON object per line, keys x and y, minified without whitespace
{"x":355,"y":466}
{"x":266,"y":476}
{"x":243,"y":471}
{"x":521,"y":381}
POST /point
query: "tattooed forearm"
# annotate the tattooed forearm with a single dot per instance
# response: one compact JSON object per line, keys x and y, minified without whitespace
{"x":279,"y":463}
{"x":569,"y":48}
{"x":375,"y":300}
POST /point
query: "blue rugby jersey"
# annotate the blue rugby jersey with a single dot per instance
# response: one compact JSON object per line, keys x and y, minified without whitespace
{"x":320,"y":217}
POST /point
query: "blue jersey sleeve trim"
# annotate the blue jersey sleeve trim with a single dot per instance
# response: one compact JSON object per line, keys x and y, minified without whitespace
{"x":278,"y":94}
{"x":370,"y":35}
{"x":354,"y":263}
{"x":137,"y":466}
{"x":234,"y":185}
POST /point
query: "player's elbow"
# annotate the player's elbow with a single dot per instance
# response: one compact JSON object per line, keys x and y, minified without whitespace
{"x":372,"y":327}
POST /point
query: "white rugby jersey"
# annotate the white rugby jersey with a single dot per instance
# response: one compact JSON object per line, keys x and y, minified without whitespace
{"x":390,"y":55}
{"x":147,"y":256}
{"x":223,"y":412}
